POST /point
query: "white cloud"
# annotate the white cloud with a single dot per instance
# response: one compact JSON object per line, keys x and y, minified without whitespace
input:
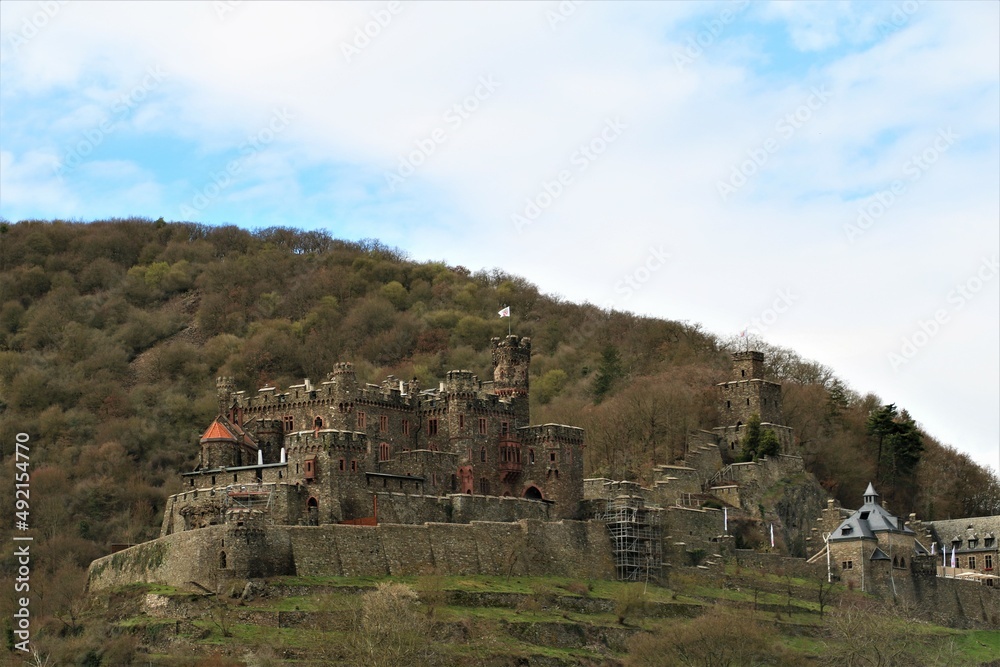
{"x":892,"y":88}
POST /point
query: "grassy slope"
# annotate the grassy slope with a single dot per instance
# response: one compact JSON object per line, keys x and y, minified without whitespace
{"x":543,"y":621}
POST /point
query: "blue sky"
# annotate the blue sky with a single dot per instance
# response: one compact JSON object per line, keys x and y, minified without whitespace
{"x":825,"y":174}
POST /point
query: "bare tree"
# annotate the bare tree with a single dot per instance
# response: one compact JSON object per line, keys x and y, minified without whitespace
{"x":391,"y":630}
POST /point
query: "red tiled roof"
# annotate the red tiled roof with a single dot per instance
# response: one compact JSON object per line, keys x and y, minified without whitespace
{"x":218,"y":431}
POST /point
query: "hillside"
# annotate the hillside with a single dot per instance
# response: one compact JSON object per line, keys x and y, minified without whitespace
{"x":112,"y":334}
{"x":738,"y":618}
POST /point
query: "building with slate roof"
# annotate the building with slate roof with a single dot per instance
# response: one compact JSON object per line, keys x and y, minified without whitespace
{"x":871,"y":548}
{"x":974,"y":541}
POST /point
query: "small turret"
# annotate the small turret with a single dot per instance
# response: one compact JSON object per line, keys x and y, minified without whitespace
{"x":871,"y":496}
{"x":225,"y":388}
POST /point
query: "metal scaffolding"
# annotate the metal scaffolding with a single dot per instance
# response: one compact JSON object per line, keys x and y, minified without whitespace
{"x":635,"y":535}
{"x":248,"y":503}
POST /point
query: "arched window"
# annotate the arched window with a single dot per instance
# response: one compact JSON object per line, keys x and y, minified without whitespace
{"x":482,"y":455}
{"x":532,"y":493}
{"x":222,"y":560}
{"x":383,"y":452}
{"x":312,"y":510}
{"x":531,"y":456}
{"x":318,"y":422}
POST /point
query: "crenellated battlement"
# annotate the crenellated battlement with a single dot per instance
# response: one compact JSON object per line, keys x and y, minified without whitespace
{"x":551,"y":434}
{"x":326,"y":439}
{"x":462,"y":382}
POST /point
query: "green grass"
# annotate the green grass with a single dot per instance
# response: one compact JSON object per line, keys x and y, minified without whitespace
{"x":497,"y":631}
{"x":981,"y":645}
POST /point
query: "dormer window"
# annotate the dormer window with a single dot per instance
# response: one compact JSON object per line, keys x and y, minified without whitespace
{"x":846,"y":530}
{"x":864,"y":516}
{"x":988,"y":542}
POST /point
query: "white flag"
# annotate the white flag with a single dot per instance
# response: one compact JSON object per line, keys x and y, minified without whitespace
{"x":772,"y":535}
{"x":725,"y":519}
{"x":953,"y":561}
{"x":505,"y":312}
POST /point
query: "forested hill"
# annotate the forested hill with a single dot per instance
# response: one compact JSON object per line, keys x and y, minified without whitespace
{"x":112,"y":334}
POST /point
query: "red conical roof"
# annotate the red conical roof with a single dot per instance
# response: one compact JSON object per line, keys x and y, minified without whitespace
{"x":218,"y":431}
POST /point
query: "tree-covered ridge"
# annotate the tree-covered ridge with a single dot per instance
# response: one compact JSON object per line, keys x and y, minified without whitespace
{"x":112,"y":334}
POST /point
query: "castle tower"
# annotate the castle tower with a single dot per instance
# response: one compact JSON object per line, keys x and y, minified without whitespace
{"x":745,"y":395}
{"x":224,"y":388}
{"x":748,"y":366}
{"x":511,"y":361}
{"x":748,"y":393}
{"x":221,"y":447}
{"x":269,"y":434}
{"x":345,"y":390}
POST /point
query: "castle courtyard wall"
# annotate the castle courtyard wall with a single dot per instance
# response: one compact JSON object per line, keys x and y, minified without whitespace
{"x":528,"y":547}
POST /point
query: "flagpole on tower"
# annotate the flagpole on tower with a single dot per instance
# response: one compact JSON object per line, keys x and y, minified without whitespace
{"x":505,"y":312}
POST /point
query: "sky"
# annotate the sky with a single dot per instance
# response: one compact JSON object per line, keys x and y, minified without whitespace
{"x":823,"y":176}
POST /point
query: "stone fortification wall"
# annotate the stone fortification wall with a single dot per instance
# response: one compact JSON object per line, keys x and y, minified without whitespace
{"x":755,"y":478}
{"x":682,"y":524}
{"x":779,"y":564}
{"x":457,"y":508}
{"x":528,"y":547}
{"x":706,"y":459}
{"x":672,"y":482}
{"x":952,"y":602}
{"x":466,"y":508}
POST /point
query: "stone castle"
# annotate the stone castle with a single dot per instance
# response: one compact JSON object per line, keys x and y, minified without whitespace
{"x":347,"y":479}
{"x":322,"y":454}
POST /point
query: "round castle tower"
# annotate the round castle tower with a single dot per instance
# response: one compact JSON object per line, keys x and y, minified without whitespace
{"x":345,"y":390}
{"x":225,"y":387}
{"x":511,"y":362}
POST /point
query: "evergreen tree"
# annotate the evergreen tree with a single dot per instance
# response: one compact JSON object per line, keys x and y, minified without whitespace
{"x":769,"y":444}
{"x":898,"y":440}
{"x":752,"y":439}
{"x":880,"y":426}
{"x":609,"y":371}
